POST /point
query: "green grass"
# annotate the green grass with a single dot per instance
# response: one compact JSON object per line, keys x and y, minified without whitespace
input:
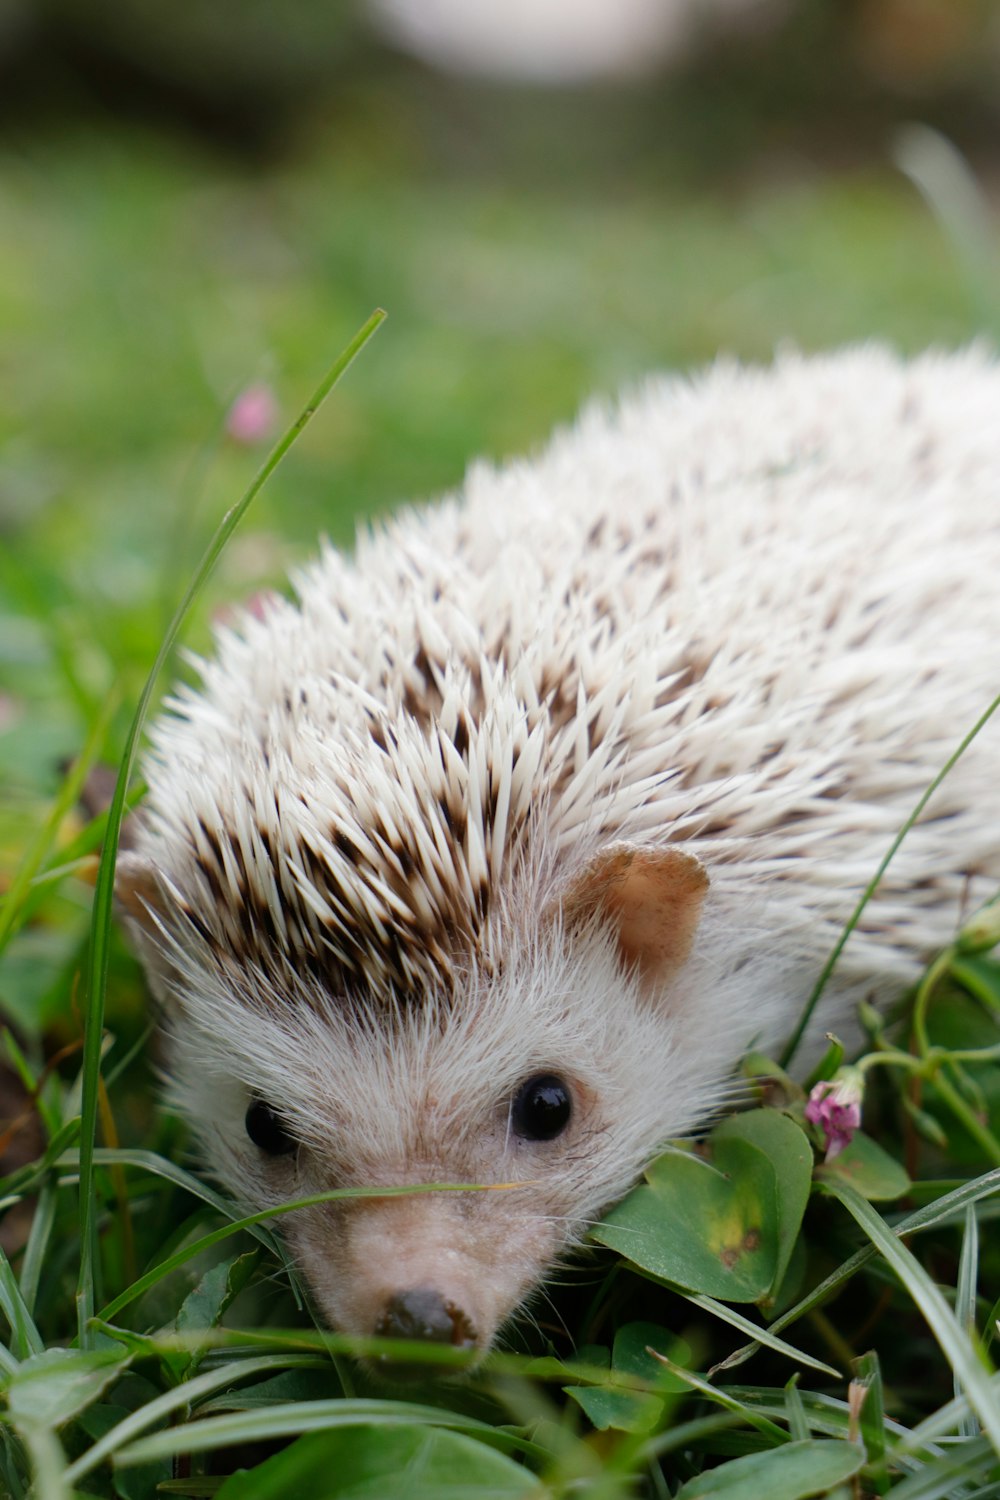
{"x":141,"y":286}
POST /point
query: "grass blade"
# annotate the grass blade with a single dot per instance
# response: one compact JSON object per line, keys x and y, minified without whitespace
{"x":761,"y":1336}
{"x":297,"y":1417}
{"x":48,"y":1462}
{"x":97,"y":968}
{"x":965,"y":1302}
{"x":871,"y":1420}
{"x":941,"y":1423}
{"x":775,"y":1435}
{"x":798,"y":1426}
{"x":941,"y":1479}
{"x":180,"y":1396}
{"x":251,"y":1221}
{"x":25,"y":1338}
{"x":38,"y":1240}
{"x":942,"y":1322}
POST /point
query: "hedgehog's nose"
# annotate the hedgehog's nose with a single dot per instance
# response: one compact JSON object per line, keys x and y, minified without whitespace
{"x":422,"y":1313}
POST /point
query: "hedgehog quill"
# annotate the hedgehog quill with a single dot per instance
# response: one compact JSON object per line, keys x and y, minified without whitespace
{"x":485,"y":858}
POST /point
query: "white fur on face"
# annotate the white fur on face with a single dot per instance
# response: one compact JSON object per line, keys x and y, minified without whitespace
{"x":425,"y":1097}
{"x":748,"y":618}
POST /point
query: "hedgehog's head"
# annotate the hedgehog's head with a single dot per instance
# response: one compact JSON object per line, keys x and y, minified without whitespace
{"x":545,"y":1078}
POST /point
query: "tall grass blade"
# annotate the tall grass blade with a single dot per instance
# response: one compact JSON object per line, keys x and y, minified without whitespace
{"x":25,"y":1338}
{"x":965,"y":1302}
{"x":48,"y":1463}
{"x":941,"y":1423}
{"x":38,"y":1240}
{"x":97,"y":967}
{"x":942,"y":1322}
{"x":947,"y":184}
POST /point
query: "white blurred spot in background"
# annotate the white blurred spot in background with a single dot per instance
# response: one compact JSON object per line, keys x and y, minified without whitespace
{"x":564,"y":41}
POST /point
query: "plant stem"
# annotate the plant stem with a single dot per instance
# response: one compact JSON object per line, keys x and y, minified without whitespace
{"x":792,"y":1045}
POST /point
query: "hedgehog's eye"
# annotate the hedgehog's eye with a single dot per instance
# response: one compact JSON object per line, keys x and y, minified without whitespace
{"x":268,"y":1130}
{"x":541,"y":1108}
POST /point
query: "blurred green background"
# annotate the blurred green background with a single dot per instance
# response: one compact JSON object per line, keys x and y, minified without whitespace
{"x":200,"y":198}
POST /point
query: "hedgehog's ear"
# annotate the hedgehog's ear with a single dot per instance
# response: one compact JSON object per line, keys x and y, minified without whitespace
{"x":653,"y":898}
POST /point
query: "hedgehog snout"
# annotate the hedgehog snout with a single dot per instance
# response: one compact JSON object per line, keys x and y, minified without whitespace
{"x":422,"y":1313}
{"x":442,"y":1269}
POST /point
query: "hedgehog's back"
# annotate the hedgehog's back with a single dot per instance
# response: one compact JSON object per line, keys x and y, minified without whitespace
{"x":753,"y":613}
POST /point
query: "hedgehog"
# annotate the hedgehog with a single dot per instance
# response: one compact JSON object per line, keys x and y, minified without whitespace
{"x":484,"y":859}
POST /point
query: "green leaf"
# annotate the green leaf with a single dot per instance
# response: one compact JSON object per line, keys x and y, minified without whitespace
{"x":948,"y":1209}
{"x":632,"y":1360}
{"x":871,"y":1171}
{"x":788,"y":1150}
{"x":206,"y":1304}
{"x":827,"y":1065}
{"x":609,"y":1406}
{"x":373,"y":1463}
{"x":614,"y":1404}
{"x":725,"y":1227}
{"x":52,"y":1387}
{"x":790,"y":1473}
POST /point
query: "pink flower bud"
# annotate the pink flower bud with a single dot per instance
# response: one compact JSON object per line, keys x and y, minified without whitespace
{"x":252,"y":416}
{"x":835,"y":1107}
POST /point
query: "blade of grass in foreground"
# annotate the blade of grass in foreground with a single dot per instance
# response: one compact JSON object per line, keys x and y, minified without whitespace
{"x":97,"y":967}
{"x":295,"y":1417}
{"x":185,"y":1395}
{"x":760,"y":1335}
{"x":953,"y":1339}
{"x":252,"y":1221}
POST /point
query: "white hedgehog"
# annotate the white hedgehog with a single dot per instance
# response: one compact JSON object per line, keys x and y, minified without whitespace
{"x":485,"y":860}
